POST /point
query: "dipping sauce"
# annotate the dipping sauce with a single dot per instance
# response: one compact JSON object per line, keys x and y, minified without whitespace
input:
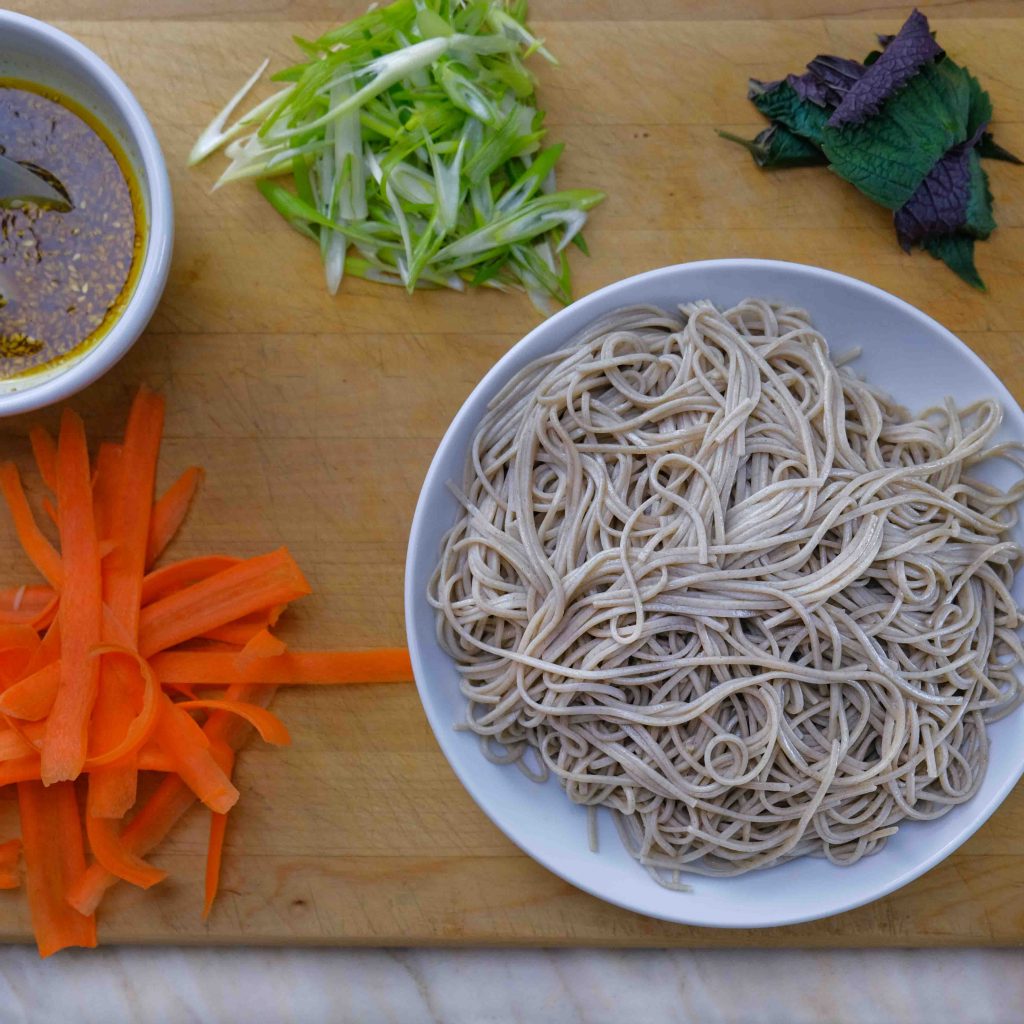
{"x":64,"y":276}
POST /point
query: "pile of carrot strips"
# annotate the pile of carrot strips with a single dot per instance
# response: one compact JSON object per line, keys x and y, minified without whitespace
{"x":95,"y":686}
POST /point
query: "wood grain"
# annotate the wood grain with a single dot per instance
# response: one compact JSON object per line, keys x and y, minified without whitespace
{"x":546,"y":10}
{"x":316,"y":419}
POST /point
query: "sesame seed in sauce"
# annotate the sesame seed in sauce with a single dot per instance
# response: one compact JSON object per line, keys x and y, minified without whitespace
{"x":65,"y":272}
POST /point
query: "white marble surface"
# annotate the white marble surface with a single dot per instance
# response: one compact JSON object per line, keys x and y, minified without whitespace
{"x":178,"y":986}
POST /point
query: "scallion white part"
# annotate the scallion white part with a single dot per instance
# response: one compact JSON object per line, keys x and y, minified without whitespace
{"x":213,"y":135}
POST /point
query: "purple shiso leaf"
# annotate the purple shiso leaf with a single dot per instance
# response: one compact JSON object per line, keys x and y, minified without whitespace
{"x":838,"y":75}
{"x":827,"y":79}
{"x":939,"y":205}
{"x":910,"y":50}
{"x":809,"y":88}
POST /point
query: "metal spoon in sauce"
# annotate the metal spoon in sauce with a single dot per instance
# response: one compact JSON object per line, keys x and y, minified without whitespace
{"x":21,"y":183}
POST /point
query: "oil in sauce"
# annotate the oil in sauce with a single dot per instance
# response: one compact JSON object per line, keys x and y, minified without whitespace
{"x":64,"y":275}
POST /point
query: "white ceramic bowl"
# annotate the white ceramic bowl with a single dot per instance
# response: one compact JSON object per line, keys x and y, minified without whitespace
{"x":36,"y":52}
{"x":904,"y":351}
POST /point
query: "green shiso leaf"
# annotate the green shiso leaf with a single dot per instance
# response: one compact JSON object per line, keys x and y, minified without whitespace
{"x":779,"y":102}
{"x":980,"y":222}
{"x":957,"y":252}
{"x":890,"y":154}
{"x":979,"y":105}
{"x":778,"y":147}
{"x":908,"y":127}
{"x":991,"y":150}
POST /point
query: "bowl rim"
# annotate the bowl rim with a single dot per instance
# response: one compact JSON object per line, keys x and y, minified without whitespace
{"x":156,"y":260}
{"x":442,"y":729}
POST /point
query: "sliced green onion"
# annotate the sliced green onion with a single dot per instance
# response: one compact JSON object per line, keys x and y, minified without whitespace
{"x":534,"y":218}
{"x":213,"y":135}
{"x":531,"y":180}
{"x":505,"y":24}
{"x":414,"y":145}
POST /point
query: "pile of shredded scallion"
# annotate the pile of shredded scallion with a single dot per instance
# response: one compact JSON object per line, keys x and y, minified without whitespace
{"x":414,"y":145}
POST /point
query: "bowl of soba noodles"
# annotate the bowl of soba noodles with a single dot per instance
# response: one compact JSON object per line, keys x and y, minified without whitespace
{"x":712,"y":593}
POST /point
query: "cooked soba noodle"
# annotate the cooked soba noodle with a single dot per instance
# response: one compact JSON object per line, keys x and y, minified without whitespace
{"x":713,"y":581}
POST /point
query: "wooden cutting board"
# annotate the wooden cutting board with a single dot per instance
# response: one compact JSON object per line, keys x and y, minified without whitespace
{"x":316,"y":419}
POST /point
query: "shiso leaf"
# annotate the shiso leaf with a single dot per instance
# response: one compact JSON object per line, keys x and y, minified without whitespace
{"x":957,"y":252}
{"x":978,"y":118}
{"x":979,"y":107}
{"x":827,"y":79}
{"x":778,"y":147}
{"x":780,"y":102}
{"x":901,"y":60}
{"x":991,"y":150}
{"x":939,"y":204}
{"x":888,"y":156}
{"x":979,"y":221}
{"x":908,"y":128}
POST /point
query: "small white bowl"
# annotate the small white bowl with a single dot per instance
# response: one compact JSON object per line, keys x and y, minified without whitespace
{"x":36,"y":52}
{"x":905,"y":352}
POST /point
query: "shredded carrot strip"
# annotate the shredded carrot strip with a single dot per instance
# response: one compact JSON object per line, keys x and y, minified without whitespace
{"x":43,"y":554}
{"x":205,"y":668}
{"x":20,"y":769}
{"x":214,"y":856}
{"x":17,"y":646}
{"x":10,"y":854}
{"x":32,"y":732}
{"x":28,"y":606}
{"x":142,"y":724}
{"x":67,"y":727}
{"x":162,"y":811}
{"x":89,"y":679}
{"x":185,"y":743}
{"x":270,"y":728}
{"x":31,"y":699}
{"x":170,"y":511}
{"x":48,"y":650}
{"x":109,"y":850}
{"x":123,"y":575}
{"x":234,"y":634}
{"x":26,"y":598}
{"x":112,"y":789}
{"x":13,"y":745}
{"x":178,"y":575}
{"x":242,"y":631}
{"x":184,"y":691}
{"x":54,"y":859}
{"x":105,"y":488}
{"x":51,"y":510}
{"x":230,"y":594}
{"x":119,"y":702}
{"x":152,"y":759}
{"x":45,"y":452}
{"x":218,"y":829}
{"x":18,"y":637}
{"x":262,"y":645}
